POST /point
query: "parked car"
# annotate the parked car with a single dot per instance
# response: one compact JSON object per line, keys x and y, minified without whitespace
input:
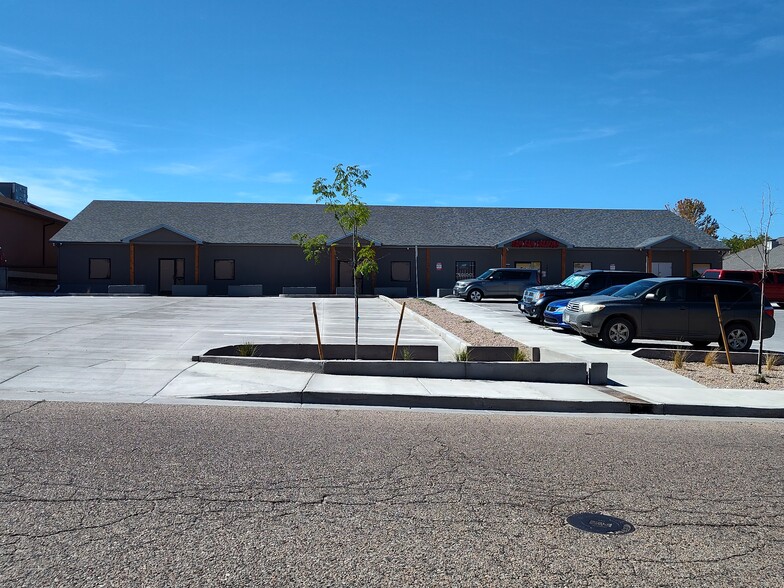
{"x":582,"y":283}
{"x":678,"y":309}
{"x":497,"y":282}
{"x":553,"y":314}
{"x":774,"y":280}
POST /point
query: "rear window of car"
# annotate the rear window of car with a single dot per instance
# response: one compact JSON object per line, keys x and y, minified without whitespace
{"x":635,"y":289}
{"x":516,"y":275}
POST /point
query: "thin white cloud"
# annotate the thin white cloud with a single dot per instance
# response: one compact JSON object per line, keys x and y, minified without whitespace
{"x":21,"y":61}
{"x":222,"y":168}
{"x":64,"y":190}
{"x":21,"y":123}
{"x":78,"y":136}
{"x":628,"y":161}
{"x":178,"y":169}
{"x":91,"y":142}
{"x":575,"y":137}
{"x":762,"y":49}
{"x":280,"y":177}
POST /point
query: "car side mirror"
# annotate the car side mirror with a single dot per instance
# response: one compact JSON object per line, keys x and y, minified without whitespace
{"x":650,"y":296}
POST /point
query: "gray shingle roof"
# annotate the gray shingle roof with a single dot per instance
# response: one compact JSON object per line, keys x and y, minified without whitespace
{"x":106,"y":221}
{"x":752,"y":258}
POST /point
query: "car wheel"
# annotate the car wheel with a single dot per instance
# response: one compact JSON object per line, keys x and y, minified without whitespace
{"x":739,"y":338}
{"x":699,"y":344}
{"x":617,"y":332}
{"x":474,"y":295}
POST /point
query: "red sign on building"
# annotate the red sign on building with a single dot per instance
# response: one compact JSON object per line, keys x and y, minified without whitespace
{"x":540,"y":243}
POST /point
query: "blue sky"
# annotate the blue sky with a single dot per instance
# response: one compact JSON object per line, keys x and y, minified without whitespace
{"x":605,"y":104}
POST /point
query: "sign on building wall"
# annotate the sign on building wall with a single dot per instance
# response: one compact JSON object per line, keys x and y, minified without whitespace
{"x":536,"y":243}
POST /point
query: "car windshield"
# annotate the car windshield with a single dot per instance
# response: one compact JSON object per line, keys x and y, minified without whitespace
{"x":635,"y":289}
{"x":485,"y":275}
{"x":573,"y":281}
{"x":609,"y":291}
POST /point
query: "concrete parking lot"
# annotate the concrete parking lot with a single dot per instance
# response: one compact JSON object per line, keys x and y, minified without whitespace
{"x":132,"y":348}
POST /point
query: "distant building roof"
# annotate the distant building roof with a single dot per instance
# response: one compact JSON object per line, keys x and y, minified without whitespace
{"x":105,"y":221}
{"x":31,"y":209}
{"x":752,"y":257}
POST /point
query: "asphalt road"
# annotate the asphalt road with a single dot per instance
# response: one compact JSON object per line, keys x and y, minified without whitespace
{"x":143,"y":495}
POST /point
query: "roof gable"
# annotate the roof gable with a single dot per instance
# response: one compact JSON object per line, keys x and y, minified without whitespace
{"x":161,"y":234}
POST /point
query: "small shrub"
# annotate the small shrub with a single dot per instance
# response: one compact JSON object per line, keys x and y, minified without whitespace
{"x":710,"y":358}
{"x":771,"y":361}
{"x":463,"y":355}
{"x":520,"y":355}
{"x":246,"y":349}
{"x":678,"y":358}
{"x":406,"y":354}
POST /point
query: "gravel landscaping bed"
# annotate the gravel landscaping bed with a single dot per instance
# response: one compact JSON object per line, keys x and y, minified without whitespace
{"x":715,"y":376}
{"x":719,"y":376}
{"x":471,"y":332}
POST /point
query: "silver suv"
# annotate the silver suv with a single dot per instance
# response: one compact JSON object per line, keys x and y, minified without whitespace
{"x":497,"y":282}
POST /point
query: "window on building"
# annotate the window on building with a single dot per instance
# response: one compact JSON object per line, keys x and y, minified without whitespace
{"x":582,"y":265}
{"x":535,"y":265}
{"x":224,"y":269}
{"x":100,"y":268}
{"x":698,"y":268}
{"x":465,"y":270}
{"x":401,"y":271}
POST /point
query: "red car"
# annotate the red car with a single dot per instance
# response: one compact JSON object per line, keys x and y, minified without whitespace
{"x":774,"y":280}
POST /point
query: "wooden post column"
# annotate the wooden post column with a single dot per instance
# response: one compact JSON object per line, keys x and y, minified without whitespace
{"x":427,"y":271}
{"x":196,"y":263}
{"x":132,"y":264}
{"x":563,"y":263}
{"x":332,"y":263}
{"x":649,"y":260}
{"x":687,"y":262}
{"x":503,"y":256}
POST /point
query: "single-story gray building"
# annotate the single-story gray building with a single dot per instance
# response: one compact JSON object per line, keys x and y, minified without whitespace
{"x":419,"y":249}
{"x":753,"y":257}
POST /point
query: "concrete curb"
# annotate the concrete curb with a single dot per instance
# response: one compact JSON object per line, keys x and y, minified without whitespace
{"x":500,"y":404}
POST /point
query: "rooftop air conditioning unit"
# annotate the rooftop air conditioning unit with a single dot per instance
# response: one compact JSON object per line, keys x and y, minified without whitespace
{"x":14,"y":191}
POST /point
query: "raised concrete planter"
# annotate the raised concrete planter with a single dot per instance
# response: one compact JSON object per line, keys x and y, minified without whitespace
{"x":189,"y":290}
{"x":491,"y":353}
{"x":309,"y":351}
{"x":299,"y":290}
{"x":3,"y":278}
{"x":246,"y":290}
{"x":556,"y":373}
{"x":392,"y":292}
{"x":127,"y":289}
{"x":81,"y":289}
{"x":443,"y":292}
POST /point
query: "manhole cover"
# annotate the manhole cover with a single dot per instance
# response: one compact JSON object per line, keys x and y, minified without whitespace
{"x":598,"y":523}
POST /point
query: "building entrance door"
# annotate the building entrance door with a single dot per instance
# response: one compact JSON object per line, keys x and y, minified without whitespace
{"x":170,"y":272}
{"x":345,"y":274}
{"x":662,"y":269}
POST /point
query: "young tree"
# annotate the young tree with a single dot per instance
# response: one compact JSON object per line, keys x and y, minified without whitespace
{"x":694,"y":211}
{"x":340,"y":198}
